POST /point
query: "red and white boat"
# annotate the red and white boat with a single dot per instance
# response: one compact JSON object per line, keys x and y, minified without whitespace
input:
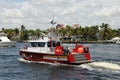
{"x":48,"y":48}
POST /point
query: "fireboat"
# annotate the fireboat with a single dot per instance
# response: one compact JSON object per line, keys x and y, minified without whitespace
{"x":48,"y":48}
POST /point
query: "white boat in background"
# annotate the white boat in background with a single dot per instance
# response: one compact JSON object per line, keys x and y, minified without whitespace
{"x":118,"y":42}
{"x":114,"y":40}
{"x":5,"y":42}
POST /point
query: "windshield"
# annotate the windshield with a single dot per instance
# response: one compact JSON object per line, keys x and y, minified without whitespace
{"x":53,"y":44}
{"x":41,"y":44}
{"x":38,"y":44}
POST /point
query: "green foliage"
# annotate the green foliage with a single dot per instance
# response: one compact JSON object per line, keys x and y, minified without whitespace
{"x":87,"y":33}
{"x":90,"y":33}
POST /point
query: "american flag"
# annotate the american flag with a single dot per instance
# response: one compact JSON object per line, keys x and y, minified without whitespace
{"x":59,"y":26}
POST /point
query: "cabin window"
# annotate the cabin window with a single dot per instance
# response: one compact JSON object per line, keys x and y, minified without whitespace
{"x":41,"y":44}
{"x":51,"y":44}
{"x":57,"y":43}
{"x":34,"y":44}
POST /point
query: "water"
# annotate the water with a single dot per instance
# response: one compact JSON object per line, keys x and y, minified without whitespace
{"x":107,"y":67}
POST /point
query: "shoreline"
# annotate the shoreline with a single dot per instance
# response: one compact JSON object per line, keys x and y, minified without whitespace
{"x":80,"y":42}
{"x":89,"y":42}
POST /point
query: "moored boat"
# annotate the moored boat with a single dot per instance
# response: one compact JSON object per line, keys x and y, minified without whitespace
{"x":5,"y":42}
{"x":48,"y":48}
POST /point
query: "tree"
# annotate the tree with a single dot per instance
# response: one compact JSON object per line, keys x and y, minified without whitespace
{"x":23,"y":28}
{"x":93,"y":31}
{"x":16,"y":31}
{"x":68,"y":29}
{"x":105,"y":30}
{"x":24,"y":33}
{"x":3,"y":29}
{"x":10,"y":33}
{"x":37,"y":32}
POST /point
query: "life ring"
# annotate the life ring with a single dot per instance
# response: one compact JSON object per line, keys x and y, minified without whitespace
{"x":80,"y":50}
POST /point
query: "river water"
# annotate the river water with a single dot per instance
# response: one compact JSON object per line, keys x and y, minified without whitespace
{"x":106,"y":67}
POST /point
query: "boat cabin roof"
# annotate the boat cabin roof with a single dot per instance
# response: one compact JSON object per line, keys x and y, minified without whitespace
{"x":43,"y":44}
{"x":50,"y":40}
{"x":4,"y":38}
{"x":46,"y":38}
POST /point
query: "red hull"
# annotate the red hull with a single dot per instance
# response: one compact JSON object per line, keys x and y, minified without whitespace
{"x":55,"y":58}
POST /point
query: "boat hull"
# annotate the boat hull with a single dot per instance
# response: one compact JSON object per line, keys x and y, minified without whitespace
{"x":7,"y":44}
{"x":53,"y":58}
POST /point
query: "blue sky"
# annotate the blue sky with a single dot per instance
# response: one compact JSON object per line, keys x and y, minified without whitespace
{"x":38,"y":13}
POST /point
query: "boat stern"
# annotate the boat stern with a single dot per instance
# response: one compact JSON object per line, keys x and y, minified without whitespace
{"x":79,"y":55}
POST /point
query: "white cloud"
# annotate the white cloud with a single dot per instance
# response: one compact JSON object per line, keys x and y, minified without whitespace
{"x":13,"y":13}
{"x":108,"y":11}
{"x":45,"y":2}
{"x":38,"y":13}
{"x":69,"y":10}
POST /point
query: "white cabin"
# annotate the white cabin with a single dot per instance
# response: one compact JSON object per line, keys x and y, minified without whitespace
{"x":45,"y":44}
{"x":5,"y":42}
{"x":3,"y":38}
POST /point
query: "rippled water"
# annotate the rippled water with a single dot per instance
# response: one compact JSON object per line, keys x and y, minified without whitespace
{"x":107,"y":66}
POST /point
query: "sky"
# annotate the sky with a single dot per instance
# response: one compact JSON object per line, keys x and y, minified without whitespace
{"x":37,"y":14}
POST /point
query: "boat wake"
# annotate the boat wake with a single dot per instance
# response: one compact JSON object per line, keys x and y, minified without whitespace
{"x":101,"y":66}
{"x":90,"y":66}
{"x":42,"y":62}
{"x":23,"y":60}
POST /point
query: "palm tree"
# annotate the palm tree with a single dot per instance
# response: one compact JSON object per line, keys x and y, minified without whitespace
{"x":24,"y":33}
{"x":118,"y":31}
{"x":105,"y":30}
{"x":94,"y":30}
{"x":16,"y":31}
{"x":37,"y":32}
{"x":3,"y":29}
{"x":22,"y":28}
{"x":68,"y":29}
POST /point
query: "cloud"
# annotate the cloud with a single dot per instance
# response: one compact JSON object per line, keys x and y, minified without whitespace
{"x":38,"y":13}
{"x":11,"y":13}
{"x":108,"y":11}
{"x":69,"y":10}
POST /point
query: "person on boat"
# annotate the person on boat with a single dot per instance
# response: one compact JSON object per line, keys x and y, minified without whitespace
{"x":66,"y":51}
